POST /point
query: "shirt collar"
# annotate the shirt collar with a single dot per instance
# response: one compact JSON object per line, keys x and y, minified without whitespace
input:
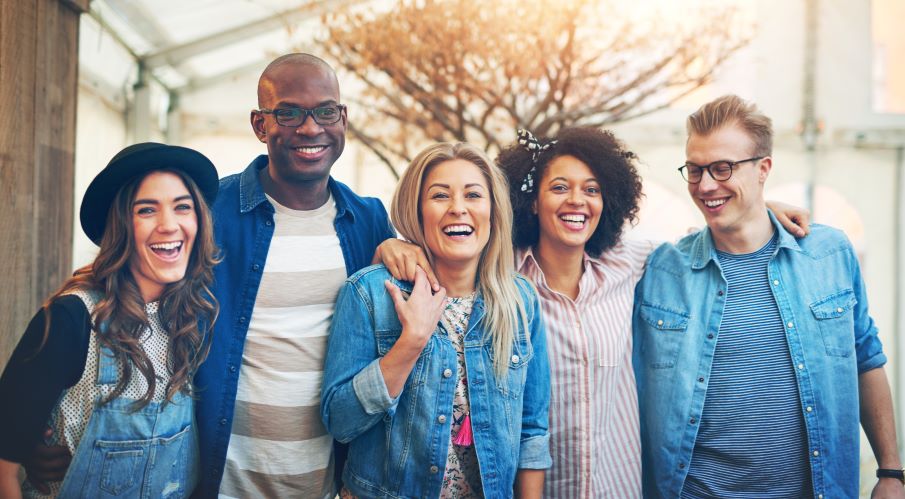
{"x":703,"y":249}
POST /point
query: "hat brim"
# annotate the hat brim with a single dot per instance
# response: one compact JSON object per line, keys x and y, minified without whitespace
{"x":136,"y":161}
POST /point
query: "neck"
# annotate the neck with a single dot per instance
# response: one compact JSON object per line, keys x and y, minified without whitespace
{"x":458,"y":279}
{"x":303,"y":195}
{"x":563,"y":266}
{"x":747,"y":237}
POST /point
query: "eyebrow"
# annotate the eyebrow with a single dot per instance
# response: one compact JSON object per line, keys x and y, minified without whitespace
{"x":564,"y":179}
{"x":154,"y":201}
{"x":446,"y":186}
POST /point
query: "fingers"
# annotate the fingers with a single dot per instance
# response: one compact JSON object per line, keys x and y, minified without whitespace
{"x":39,"y":485}
{"x":425,"y":265}
{"x":395,"y":293}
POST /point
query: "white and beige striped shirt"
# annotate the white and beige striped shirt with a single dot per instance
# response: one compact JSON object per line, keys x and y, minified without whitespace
{"x":594,"y":435}
{"x":279,"y":446}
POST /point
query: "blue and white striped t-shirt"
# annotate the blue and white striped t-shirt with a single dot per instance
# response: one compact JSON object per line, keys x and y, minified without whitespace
{"x":752,"y":441}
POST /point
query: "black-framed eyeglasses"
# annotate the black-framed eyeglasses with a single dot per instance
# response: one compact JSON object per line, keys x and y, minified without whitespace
{"x":295,"y":116}
{"x":718,"y":170}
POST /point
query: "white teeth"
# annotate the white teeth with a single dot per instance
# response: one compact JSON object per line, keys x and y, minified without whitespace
{"x":310,"y":150}
{"x":461,"y":229}
{"x":573,"y":218}
{"x":713,"y":203}
{"x":167,"y":246}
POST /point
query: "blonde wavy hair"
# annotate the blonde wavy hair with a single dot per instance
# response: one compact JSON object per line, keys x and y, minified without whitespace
{"x":496,"y":271}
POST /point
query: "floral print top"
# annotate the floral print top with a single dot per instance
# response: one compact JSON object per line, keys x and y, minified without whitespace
{"x":463,"y":477}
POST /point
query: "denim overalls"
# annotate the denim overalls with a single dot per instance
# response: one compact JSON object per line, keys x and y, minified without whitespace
{"x":149,"y":453}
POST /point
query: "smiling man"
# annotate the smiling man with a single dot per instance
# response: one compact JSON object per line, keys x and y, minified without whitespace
{"x":290,"y":235}
{"x":754,"y":352}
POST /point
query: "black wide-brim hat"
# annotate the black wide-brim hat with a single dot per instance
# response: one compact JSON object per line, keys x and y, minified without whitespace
{"x":138,"y":160}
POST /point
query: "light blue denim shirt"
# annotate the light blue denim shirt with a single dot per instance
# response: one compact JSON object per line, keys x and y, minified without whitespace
{"x":679,"y":303}
{"x":398,"y":446}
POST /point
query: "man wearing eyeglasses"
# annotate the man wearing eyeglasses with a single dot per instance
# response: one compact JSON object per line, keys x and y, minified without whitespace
{"x":290,"y":235}
{"x":754,"y":352}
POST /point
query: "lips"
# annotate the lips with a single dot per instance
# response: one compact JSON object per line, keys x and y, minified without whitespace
{"x":574,"y":221}
{"x":458,"y":231}
{"x":168,"y":251}
{"x":310,"y":152}
{"x":714,"y":203}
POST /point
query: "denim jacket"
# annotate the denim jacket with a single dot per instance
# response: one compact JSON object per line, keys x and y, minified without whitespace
{"x":679,"y":303}
{"x":243,"y":228}
{"x":398,"y":446}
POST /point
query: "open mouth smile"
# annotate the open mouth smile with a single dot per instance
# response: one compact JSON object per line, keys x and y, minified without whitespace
{"x":458,"y":231}
{"x":575,"y":221}
{"x":167,"y":251}
{"x":310,"y":152}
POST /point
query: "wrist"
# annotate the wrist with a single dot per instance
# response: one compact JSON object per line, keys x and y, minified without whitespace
{"x":891,"y":474}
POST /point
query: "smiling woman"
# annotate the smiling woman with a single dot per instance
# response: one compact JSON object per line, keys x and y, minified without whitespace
{"x":144,"y":304}
{"x":442,"y":396}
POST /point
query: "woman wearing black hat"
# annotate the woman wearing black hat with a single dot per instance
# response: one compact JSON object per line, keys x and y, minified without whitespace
{"x":107,"y":362}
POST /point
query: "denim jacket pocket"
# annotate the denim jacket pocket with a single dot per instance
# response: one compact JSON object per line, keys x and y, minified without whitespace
{"x":517,"y":361}
{"x":385,"y":341}
{"x":836,"y":322}
{"x":664,"y":335}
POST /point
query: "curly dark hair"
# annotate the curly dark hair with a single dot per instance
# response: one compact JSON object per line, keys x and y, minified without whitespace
{"x":612,"y":164}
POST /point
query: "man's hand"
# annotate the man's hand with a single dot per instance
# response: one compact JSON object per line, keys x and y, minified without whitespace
{"x":402,"y":258}
{"x":888,"y":488}
{"x":795,"y":220}
{"x":47,"y":464}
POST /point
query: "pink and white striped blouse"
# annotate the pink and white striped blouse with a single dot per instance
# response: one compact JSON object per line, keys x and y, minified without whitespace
{"x":594,"y":436}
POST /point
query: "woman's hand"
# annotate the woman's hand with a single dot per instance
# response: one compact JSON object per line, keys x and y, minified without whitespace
{"x":419,"y":316}
{"x":794,"y":219}
{"x":9,"y":480}
{"x":402,"y":259}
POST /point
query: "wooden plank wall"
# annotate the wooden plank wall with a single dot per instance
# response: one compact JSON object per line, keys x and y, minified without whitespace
{"x":38,"y":90}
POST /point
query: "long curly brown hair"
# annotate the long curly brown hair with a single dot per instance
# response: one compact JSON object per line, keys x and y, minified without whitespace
{"x":187,"y":308}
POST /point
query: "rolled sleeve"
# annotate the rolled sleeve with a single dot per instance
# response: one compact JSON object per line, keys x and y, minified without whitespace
{"x":868,"y":347}
{"x":534,"y":453}
{"x":371,"y":390}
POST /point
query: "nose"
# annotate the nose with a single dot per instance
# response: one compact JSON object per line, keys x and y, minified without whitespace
{"x":576,"y":197}
{"x":457,"y":206}
{"x":707,"y":183}
{"x":167,"y":222}
{"x":309,"y":127}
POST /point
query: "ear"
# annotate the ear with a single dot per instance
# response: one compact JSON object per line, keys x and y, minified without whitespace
{"x":534,"y":206}
{"x":764,"y":168}
{"x":257,"y":124}
{"x":345,"y":117}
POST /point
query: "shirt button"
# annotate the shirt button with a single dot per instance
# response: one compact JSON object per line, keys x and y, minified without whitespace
{"x":434,"y":469}
{"x":809,"y":408}
{"x":692,"y":420}
{"x":222,"y":421}
{"x":701,"y":379}
{"x":441,"y":419}
{"x":839,"y":310}
{"x":710,"y":336}
{"x":232,"y":369}
{"x":255,"y":266}
{"x":800,"y":366}
{"x":681,"y":466}
{"x":775,"y":282}
{"x":660,"y":322}
{"x":447,"y":373}
{"x":242,"y":320}
{"x":819,"y":496}
{"x":816,"y":453}
{"x":719,"y":293}
{"x":791,"y":325}
{"x":268,"y":223}
{"x":515,"y":359}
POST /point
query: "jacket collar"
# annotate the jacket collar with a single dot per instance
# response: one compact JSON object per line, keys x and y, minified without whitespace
{"x":251,"y":192}
{"x":703,"y":250}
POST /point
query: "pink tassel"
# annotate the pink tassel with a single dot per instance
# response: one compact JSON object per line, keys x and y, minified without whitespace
{"x":464,"y":438}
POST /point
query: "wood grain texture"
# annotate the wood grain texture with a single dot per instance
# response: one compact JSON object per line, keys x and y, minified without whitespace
{"x":38,"y":89}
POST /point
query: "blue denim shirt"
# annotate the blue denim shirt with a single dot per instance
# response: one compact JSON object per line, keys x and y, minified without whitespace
{"x":398,"y":446}
{"x":679,"y":303}
{"x":243,"y":228}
